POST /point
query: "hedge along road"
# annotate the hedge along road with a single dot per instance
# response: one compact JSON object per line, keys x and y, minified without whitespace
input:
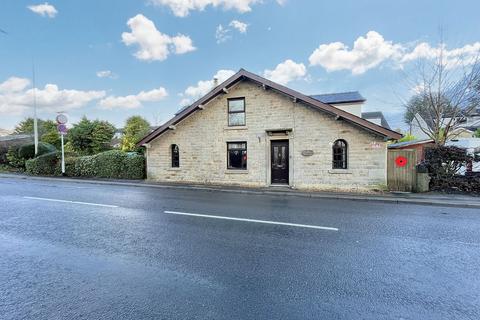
{"x":109,"y":164}
{"x":74,"y":250}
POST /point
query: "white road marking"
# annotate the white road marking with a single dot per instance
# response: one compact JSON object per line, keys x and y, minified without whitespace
{"x":76,"y":202}
{"x":252,"y":220}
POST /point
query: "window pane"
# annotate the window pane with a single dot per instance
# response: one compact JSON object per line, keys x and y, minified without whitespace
{"x":235,"y":158}
{"x":175,"y":156}
{"x":236,"y":119}
{"x":237,"y":155}
{"x":237,"y":145}
{"x":339,"y":155}
{"x":236,"y":105}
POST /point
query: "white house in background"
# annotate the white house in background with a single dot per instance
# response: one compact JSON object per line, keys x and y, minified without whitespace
{"x":465,"y":128}
{"x":473,"y":147}
{"x":352,"y":102}
{"x":377,"y":118}
{"x":415,"y":127}
{"x":461,"y":137}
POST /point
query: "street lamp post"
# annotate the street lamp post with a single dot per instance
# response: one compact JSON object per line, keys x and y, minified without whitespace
{"x":35,"y":122}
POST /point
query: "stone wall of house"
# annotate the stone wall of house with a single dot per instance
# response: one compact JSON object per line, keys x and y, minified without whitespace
{"x":202,"y":139}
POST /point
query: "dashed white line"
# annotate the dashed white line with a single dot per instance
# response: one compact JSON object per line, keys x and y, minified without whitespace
{"x":75,"y":202}
{"x":252,"y":220}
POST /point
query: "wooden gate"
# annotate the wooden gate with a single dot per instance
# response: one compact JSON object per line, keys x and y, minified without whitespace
{"x":401,"y":172}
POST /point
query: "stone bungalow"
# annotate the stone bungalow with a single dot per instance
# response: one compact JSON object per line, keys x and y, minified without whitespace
{"x":250,"y":131}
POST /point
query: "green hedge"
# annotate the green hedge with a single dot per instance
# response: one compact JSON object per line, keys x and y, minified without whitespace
{"x":13,"y":159}
{"x":47,"y":164}
{"x":112,"y":164}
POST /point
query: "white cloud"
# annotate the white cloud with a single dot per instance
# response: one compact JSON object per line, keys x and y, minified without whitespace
{"x":14,"y":84}
{"x":202,"y":87}
{"x":154,"y":45}
{"x":222,"y":34}
{"x":467,"y":54}
{"x":106,"y":74}
{"x":45,"y":10}
{"x":133,"y":101}
{"x":372,"y":50}
{"x":53,"y":99}
{"x":286,"y":71}
{"x":240,"y":26}
{"x":182,"y":8}
{"x":417,"y":89}
{"x":182,"y":44}
{"x":15,"y":98}
{"x":367,"y":52}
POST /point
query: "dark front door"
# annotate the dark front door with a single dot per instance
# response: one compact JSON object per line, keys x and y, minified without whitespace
{"x":279,"y":153}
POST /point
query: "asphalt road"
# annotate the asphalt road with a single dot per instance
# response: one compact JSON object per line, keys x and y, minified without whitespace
{"x":126,"y":253}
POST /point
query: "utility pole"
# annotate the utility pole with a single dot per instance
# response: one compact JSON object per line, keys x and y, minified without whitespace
{"x":35,"y":122}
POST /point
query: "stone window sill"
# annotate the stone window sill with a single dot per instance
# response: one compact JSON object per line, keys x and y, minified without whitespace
{"x":236,"y":128}
{"x":339,"y":171}
{"x":233,"y":171}
{"x":174,"y":169}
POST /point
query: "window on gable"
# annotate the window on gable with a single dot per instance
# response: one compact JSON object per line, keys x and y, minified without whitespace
{"x":175,"y":152}
{"x":236,"y":112}
{"x":237,"y":155}
{"x":339,"y":152}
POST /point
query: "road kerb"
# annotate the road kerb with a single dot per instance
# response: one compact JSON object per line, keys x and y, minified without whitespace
{"x":353,"y":197}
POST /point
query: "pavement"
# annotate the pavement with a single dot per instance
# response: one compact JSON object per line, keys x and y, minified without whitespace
{"x":78,"y":250}
{"x":429,"y":198}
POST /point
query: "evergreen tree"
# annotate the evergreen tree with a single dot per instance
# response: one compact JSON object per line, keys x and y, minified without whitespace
{"x":135,"y":129}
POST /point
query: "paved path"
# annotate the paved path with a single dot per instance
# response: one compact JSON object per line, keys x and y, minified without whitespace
{"x":88,"y":251}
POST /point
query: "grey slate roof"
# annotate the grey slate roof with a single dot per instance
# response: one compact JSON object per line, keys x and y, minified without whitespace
{"x":181,"y":109}
{"x":376,"y":115}
{"x":338,"y":98}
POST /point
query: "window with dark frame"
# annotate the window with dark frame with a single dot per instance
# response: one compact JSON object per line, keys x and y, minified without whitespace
{"x":237,"y":155}
{"x":175,"y":156}
{"x":236,"y":112}
{"x":339,"y":151}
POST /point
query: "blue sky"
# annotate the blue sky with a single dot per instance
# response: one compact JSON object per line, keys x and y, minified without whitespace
{"x":113,"y":59}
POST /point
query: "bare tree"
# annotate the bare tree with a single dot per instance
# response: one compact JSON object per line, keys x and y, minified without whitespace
{"x":446,"y":90}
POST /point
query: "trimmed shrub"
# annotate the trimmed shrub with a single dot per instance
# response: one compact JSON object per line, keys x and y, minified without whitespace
{"x":69,"y":166}
{"x":27,"y":151}
{"x":84,"y":167}
{"x":13,"y":158}
{"x":113,"y":164}
{"x":46,"y":164}
{"x":3,"y":154}
{"x":135,"y":165}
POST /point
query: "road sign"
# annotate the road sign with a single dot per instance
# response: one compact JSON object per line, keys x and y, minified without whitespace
{"x":62,"y":129}
{"x":62,"y":119}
